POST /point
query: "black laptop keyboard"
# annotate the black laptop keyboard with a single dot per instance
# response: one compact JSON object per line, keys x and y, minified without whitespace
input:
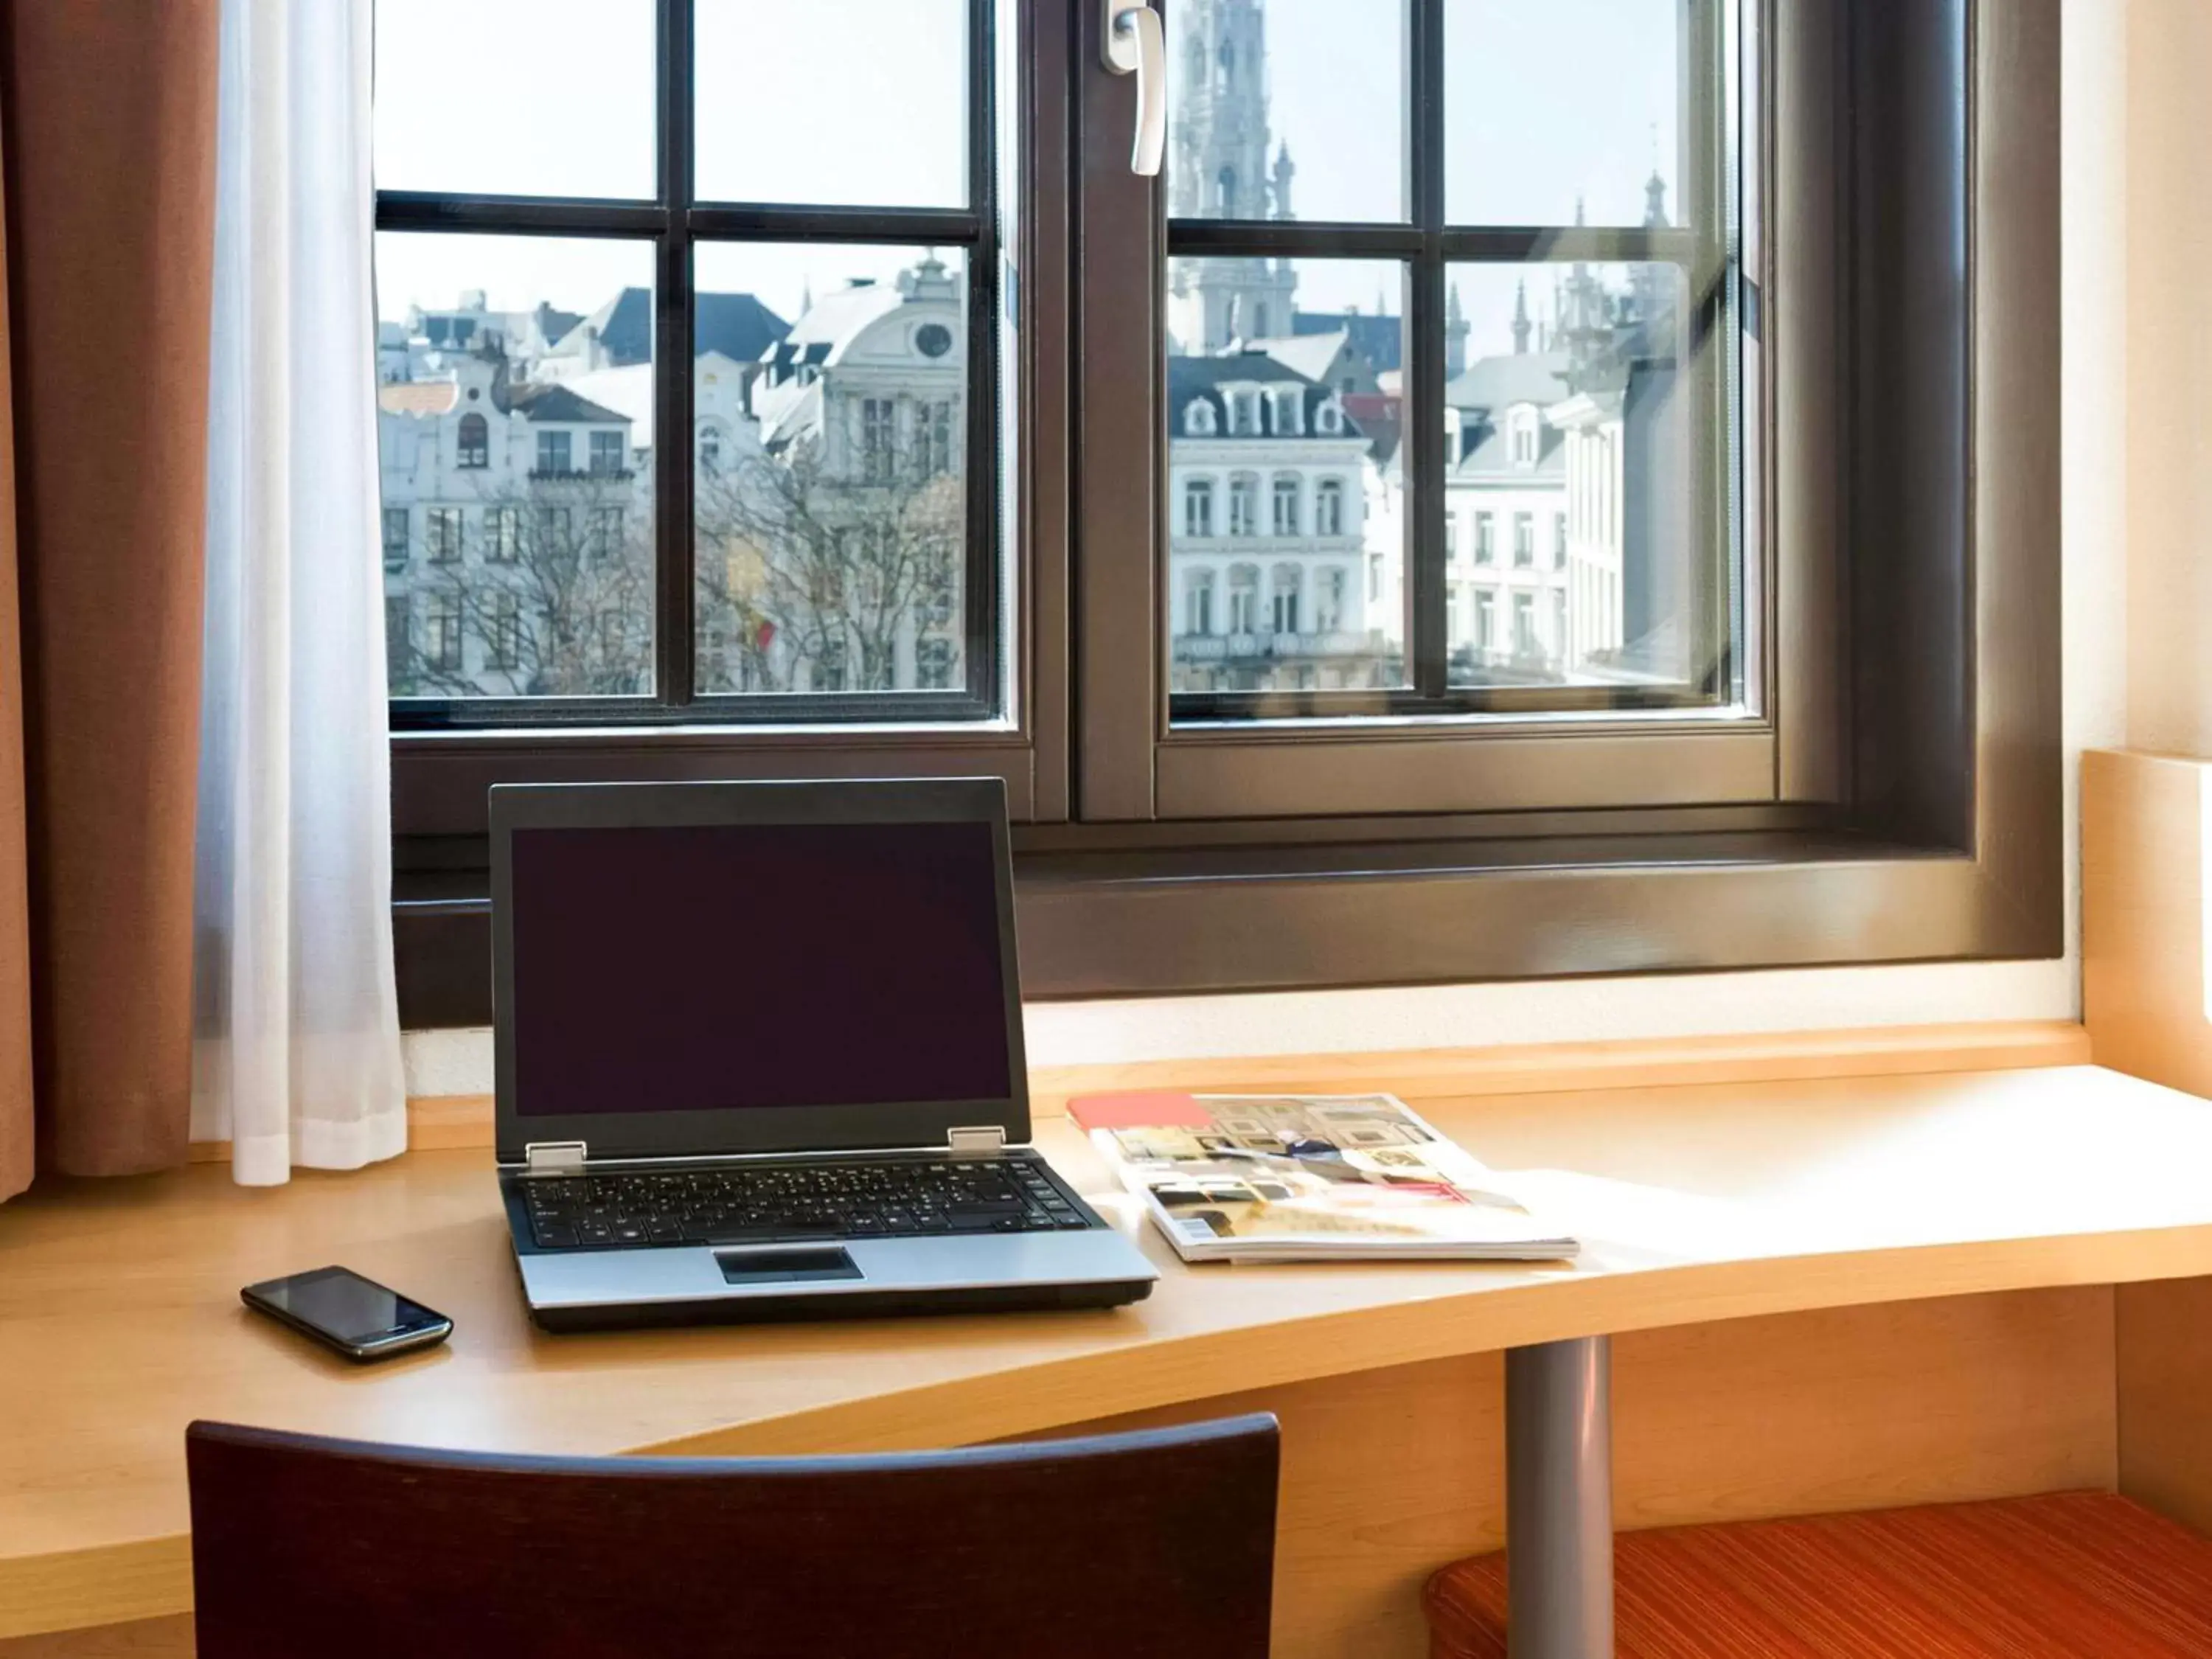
{"x":765,"y":1202}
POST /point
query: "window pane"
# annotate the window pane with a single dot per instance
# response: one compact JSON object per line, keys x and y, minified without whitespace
{"x":514,"y":428}
{"x":1572,"y":430}
{"x":1286,"y":532}
{"x":833,"y":101}
{"x":515,"y":97}
{"x":1293,"y":109}
{"x":1560,"y":112}
{"x":831,"y":474}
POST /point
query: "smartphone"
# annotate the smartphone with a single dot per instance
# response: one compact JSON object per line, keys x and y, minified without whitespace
{"x":356,"y":1316}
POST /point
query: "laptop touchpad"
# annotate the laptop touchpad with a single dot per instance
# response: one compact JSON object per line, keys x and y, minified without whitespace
{"x":773,"y":1266}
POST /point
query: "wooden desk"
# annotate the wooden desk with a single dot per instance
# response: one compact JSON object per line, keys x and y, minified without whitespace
{"x":119,"y":1319}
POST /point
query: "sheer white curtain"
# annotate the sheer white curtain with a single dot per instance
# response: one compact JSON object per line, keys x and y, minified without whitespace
{"x":296,"y":1056}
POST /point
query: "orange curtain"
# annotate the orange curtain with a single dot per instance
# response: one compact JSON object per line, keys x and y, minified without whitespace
{"x":107,"y":125}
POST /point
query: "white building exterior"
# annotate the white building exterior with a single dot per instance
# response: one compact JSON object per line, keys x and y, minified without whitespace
{"x":1267,"y":534}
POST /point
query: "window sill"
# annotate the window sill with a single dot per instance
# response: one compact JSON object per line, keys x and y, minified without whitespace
{"x":1134,"y":922}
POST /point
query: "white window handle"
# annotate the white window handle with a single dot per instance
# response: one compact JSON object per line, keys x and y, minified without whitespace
{"x":1131,"y":42}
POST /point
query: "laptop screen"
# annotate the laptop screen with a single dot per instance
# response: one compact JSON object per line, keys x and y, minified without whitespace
{"x":711,"y":967}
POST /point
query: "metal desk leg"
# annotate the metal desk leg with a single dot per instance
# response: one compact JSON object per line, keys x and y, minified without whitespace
{"x":1558,"y":1499}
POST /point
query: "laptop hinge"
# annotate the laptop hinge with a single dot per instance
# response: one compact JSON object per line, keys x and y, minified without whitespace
{"x":969,"y":1142}
{"x":541,"y":1157}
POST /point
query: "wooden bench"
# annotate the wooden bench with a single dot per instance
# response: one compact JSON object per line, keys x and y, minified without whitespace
{"x":2068,"y":1575}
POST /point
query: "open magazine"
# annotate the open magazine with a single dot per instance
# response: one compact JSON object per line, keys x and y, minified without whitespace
{"x":1308,"y":1178}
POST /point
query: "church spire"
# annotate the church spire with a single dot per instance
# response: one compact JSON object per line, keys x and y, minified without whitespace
{"x":1520,"y":317}
{"x":1655,"y":202}
{"x":1456,"y":329}
{"x":1285,"y":170}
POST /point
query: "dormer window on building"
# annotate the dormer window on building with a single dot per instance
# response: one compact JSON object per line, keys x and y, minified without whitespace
{"x":1525,"y":442}
{"x":1290,"y":411}
{"x":1198,"y":420}
{"x":1328,"y":419}
{"x":1244,"y":413}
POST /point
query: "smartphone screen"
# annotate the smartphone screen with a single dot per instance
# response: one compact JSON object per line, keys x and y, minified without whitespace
{"x":348,"y":1312}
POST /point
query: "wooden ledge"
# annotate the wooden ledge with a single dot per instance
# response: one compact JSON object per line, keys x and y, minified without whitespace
{"x":446,"y":1122}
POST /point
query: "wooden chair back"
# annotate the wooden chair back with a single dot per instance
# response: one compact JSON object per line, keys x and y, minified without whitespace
{"x":1123,"y":1547}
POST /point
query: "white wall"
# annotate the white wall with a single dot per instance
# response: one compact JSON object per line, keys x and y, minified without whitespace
{"x":2167,"y":451}
{"x":2096,"y":288}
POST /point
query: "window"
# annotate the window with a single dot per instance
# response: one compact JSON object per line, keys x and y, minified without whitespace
{"x":441,"y":531}
{"x":503,"y":650}
{"x":1328,"y":601}
{"x":1329,"y":508}
{"x":879,"y":439}
{"x":1244,"y":598}
{"x":1198,"y":508}
{"x":934,"y":660}
{"x":398,"y":646}
{"x":935,"y":452}
{"x":1534,"y":278}
{"x":502,"y":534}
{"x":1286,"y":504}
{"x":1198,"y":603}
{"x":1243,"y":504}
{"x":607,"y":532}
{"x":1288,"y":588}
{"x":816,"y":253}
{"x":441,"y":632}
{"x":395,"y":538}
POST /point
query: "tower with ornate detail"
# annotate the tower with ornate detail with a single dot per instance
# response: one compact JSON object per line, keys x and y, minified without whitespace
{"x":1220,"y":168}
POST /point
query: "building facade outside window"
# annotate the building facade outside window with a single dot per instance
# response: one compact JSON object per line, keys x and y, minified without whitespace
{"x":1286,"y":505}
{"x":554,"y":459}
{"x":1524,"y":540}
{"x":474,"y":449}
{"x":395,"y":537}
{"x":606,"y":455}
{"x":1486,"y":538}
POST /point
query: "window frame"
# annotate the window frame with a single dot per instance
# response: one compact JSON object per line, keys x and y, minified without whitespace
{"x":672,"y":223}
{"x":1911,"y":807}
{"x":442,"y":766}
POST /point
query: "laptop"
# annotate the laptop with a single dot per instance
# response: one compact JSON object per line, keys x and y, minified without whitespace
{"x":759,"y":1056}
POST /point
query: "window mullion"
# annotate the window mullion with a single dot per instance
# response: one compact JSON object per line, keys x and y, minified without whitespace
{"x":672,"y":445}
{"x":1422,"y":383}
